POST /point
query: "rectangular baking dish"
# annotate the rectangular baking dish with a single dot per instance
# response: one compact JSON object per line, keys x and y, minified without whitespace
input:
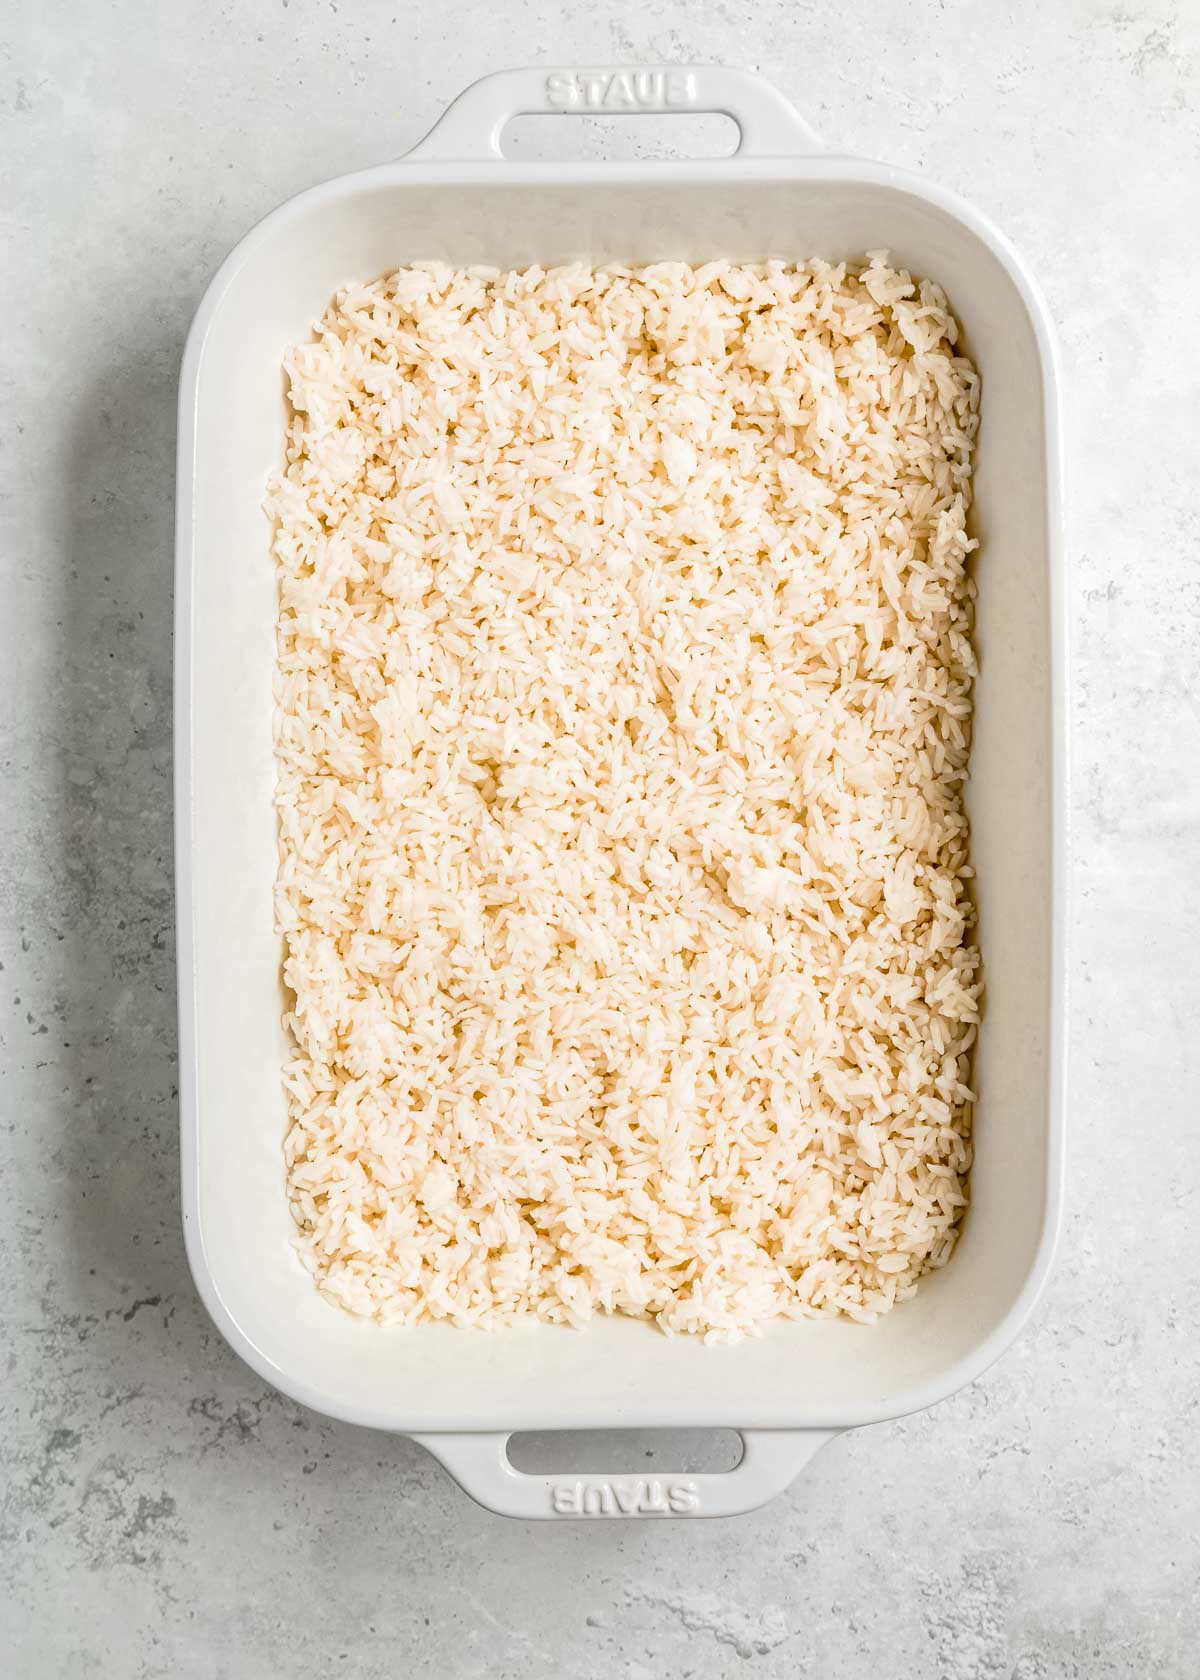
{"x":461,"y":1393}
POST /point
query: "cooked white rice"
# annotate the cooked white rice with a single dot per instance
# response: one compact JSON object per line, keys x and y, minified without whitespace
{"x":624,"y":694}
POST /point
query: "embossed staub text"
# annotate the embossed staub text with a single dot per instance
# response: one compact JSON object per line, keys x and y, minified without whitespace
{"x":620,"y":90}
{"x":625,"y":1499}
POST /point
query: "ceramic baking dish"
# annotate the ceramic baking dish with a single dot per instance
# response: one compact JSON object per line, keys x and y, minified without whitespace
{"x":457,"y":198}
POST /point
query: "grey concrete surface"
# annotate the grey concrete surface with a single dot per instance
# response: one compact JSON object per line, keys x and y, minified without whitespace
{"x":163,"y":1512}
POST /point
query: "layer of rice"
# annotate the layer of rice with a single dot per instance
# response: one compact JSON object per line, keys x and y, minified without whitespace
{"x":624,"y":694}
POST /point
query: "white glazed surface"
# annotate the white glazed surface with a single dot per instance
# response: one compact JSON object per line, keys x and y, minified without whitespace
{"x":818,"y":1375}
{"x":166,"y":1512}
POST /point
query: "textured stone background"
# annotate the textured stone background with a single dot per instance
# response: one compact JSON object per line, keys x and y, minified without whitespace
{"x":163,"y":1513}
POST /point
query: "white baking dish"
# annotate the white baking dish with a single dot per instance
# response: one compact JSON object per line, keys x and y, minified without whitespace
{"x":461,"y":1393}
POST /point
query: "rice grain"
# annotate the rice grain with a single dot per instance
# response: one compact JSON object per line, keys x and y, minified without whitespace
{"x":623,"y":705}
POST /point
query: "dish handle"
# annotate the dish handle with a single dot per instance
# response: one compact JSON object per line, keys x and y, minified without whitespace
{"x":479,"y":1463}
{"x":469,"y":129}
